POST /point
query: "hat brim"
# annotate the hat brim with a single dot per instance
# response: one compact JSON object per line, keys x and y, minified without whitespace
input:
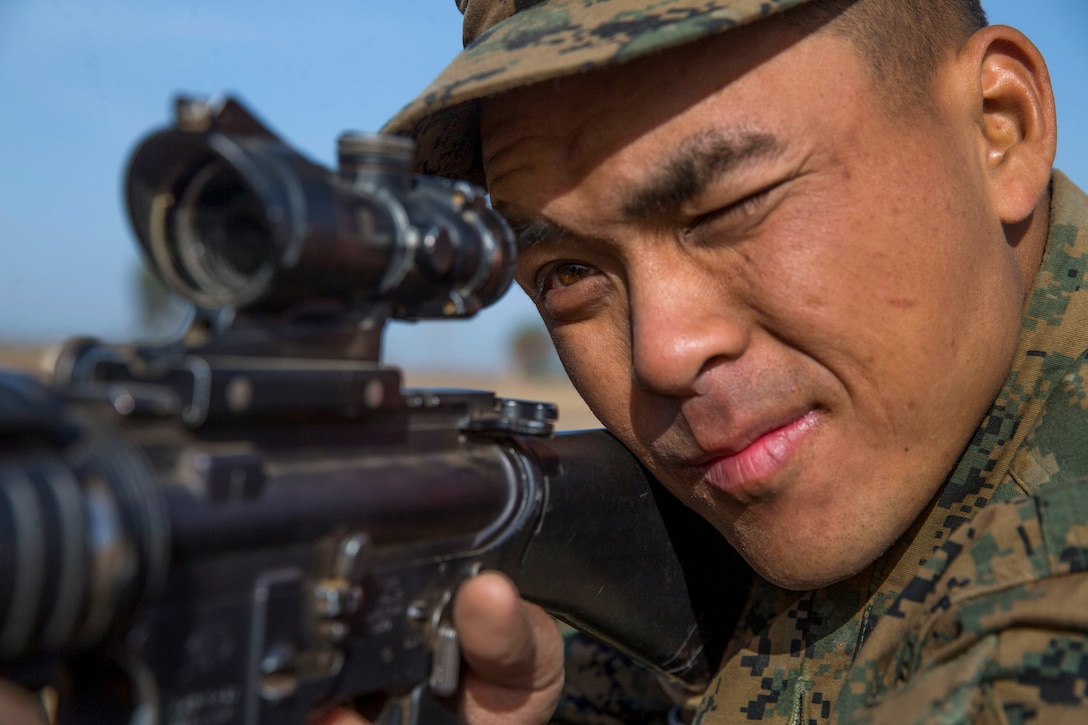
{"x":546,"y":41}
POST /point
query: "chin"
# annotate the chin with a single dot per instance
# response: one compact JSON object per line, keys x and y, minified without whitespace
{"x":801,"y":581}
{"x":808,"y":572}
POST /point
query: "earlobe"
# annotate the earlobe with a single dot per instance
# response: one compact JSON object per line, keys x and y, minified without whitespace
{"x":1018,"y":120}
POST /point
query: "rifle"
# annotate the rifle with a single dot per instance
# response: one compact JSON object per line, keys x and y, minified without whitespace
{"x":256,"y":519}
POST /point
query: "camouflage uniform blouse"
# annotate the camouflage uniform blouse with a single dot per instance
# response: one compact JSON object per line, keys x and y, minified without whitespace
{"x":976,"y":614}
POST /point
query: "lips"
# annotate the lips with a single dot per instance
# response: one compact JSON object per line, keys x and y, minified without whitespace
{"x":741,"y":470}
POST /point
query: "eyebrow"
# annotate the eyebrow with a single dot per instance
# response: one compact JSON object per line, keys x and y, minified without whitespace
{"x":699,"y":161}
{"x":531,"y":231}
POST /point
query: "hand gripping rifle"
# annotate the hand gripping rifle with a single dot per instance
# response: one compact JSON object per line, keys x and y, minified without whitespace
{"x":257,"y":519}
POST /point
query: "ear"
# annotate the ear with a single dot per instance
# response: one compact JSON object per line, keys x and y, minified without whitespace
{"x":1018,"y":121}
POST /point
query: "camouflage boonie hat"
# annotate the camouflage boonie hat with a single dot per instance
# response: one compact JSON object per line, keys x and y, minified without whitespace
{"x":514,"y":43}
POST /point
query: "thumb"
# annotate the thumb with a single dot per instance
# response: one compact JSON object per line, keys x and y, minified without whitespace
{"x":514,"y":652}
{"x":338,"y":716}
{"x":19,"y":707}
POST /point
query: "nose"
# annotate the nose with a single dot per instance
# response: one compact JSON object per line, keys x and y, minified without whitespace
{"x":683,"y":322}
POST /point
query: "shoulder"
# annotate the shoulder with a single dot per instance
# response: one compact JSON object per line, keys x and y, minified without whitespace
{"x":1056,"y":449}
{"x":995,"y":625}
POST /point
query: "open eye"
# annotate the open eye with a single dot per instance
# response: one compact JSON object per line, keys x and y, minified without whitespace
{"x":568,"y":291}
{"x":569,"y":273}
{"x":563,"y":274}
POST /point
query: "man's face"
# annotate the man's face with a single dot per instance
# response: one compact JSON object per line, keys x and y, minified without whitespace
{"x":793,"y":307}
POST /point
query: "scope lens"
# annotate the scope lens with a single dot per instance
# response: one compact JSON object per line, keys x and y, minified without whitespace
{"x":224,"y":239}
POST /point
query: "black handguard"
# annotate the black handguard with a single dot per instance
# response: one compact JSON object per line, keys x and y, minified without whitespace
{"x":257,"y":521}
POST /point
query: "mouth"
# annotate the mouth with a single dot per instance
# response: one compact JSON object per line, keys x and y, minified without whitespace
{"x":742,"y":470}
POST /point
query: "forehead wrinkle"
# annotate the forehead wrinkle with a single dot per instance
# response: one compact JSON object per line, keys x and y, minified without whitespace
{"x":699,"y":160}
{"x":591,"y":137}
{"x":507,"y":150}
{"x":539,"y":129}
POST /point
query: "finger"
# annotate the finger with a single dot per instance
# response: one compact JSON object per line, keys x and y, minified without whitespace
{"x":339,"y":716}
{"x":505,"y":639}
{"x":19,"y":707}
{"x":514,"y":652}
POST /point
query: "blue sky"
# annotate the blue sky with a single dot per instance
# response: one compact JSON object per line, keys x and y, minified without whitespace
{"x":81,"y":81}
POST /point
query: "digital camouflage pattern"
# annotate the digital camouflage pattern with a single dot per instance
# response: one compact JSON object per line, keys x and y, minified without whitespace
{"x":537,"y":41}
{"x":603,"y":687}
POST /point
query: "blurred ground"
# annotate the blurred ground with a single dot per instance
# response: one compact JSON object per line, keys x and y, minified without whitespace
{"x":573,"y":413}
{"x":18,"y":356}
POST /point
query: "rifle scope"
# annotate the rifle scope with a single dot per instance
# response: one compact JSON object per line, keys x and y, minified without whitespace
{"x":229,"y":216}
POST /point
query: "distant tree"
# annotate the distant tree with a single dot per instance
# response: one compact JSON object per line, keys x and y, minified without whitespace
{"x":533,"y":353}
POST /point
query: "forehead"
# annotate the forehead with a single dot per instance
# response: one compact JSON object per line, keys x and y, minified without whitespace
{"x":586,"y":117}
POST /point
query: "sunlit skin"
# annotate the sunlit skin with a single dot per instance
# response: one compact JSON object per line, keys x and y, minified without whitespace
{"x":792,"y":305}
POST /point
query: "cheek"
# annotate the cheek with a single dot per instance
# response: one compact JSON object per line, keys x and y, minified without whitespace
{"x":848,"y":263}
{"x":901,"y":308}
{"x":597,"y":361}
